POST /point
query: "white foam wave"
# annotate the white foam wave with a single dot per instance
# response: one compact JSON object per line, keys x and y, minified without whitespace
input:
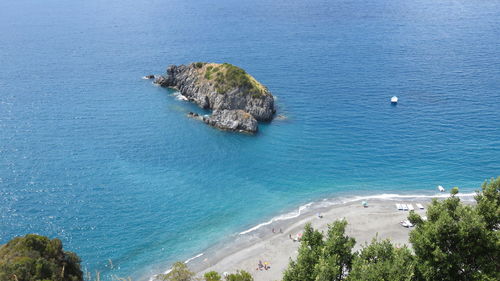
{"x":389,"y":196}
{"x":153,"y":278}
{"x":179,"y":96}
{"x":336,"y":201}
{"x":195,"y":257}
{"x":286,"y":216}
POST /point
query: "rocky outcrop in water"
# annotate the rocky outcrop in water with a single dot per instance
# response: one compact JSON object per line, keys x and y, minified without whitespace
{"x":238,"y":100}
{"x":231,"y":120}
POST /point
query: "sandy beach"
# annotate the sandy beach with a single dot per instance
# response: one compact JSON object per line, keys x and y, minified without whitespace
{"x":380,"y":218}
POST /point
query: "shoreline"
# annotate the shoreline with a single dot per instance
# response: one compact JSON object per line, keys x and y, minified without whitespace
{"x":243,"y":250}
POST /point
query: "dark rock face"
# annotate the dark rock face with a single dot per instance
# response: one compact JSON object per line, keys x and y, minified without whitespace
{"x":232,"y":120}
{"x":233,"y":109}
{"x":229,"y":120}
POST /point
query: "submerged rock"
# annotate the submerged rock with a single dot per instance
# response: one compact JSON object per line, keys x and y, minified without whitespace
{"x":238,"y":100}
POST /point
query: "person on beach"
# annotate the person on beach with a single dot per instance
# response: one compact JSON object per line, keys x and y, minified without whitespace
{"x":290,"y":235}
{"x":281,"y":231}
{"x":260,"y":265}
{"x":273,"y":230}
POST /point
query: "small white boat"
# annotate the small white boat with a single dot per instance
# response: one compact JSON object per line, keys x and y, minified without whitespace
{"x":441,"y":188}
{"x":394,"y":99}
{"x":406,"y":223}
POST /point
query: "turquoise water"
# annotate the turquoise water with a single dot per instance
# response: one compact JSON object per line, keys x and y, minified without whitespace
{"x":92,"y":154}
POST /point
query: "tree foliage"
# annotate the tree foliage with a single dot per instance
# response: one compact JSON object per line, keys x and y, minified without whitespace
{"x":322,"y":260}
{"x":457,"y":241}
{"x":240,"y":275}
{"x":179,"y":272}
{"x":382,"y":261}
{"x":308,"y":257}
{"x":35,"y":257}
{"x":488,"y":203}
{"x":336,"y":255}
{"x":212,"y":276}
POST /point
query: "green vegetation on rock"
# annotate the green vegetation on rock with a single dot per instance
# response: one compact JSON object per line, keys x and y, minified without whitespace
{"x":199,"y":64}
{"x":228,"y":77}
{"x":37,"y":258}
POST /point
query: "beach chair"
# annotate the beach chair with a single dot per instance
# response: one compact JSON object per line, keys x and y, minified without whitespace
{"x":399,"y":207}
{"x":410,"y":207}
{"x":420,"y":206}
{"x":405,"y":208}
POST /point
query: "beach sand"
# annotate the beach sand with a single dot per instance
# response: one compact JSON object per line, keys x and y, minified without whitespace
{"x":381,"y":218}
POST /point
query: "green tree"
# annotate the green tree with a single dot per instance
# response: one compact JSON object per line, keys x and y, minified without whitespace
{"x":336,"y":255}
{"x":454,"y":243}
{"x":488,"y":203}
{"x":308,"y":256}
{"x":212,"y":276}
{"x":382,"y":261}
{"x":239,"y":276}
{"x":35,"y":257}
{"x":179,"y":272}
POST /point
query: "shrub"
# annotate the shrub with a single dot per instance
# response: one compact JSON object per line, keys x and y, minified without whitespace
{"x":235,"y":77}
{"x":212,"y":276}
{"x":208,"y":75}
{"x":239,"y":276}
{"x":35,"y":257}
{"x":179,"y":272}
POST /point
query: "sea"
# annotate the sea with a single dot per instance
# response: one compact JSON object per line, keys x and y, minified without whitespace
{"x":107,"y":162}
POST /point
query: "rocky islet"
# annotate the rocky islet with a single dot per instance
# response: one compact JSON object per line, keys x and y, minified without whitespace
{"x":236,"y":99}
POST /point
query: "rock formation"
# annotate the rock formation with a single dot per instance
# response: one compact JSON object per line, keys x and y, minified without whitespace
{"x":237,"y":100}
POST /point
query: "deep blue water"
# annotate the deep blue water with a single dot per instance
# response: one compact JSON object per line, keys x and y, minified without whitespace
{"x":92,"y":154}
